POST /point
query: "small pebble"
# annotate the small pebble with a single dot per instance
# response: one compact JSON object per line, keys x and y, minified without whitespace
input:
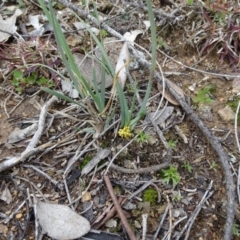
{"x":14,"y":228}
{"x":19,"y":216}
{"x":137,"y":224}
{"x":52,"y":130}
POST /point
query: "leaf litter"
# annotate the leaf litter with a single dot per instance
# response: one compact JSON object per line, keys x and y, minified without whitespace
{"x":49,"y":153}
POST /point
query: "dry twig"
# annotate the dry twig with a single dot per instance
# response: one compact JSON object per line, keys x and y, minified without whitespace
{"x":190,"y":221}
{"x":119,"y":210}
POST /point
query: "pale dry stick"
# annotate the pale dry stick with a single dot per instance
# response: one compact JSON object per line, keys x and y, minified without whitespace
{"x":5,"y":103}
{"x":236,"y":127}
{"x":12,"y":92}
{"x":12,"y":161}
{"x":158,"y":191}
{"x":190,"y":225}
{"x":162,"y":138}
{"x":190,"y":221}
{"x":119,"y":210}
{"x":67,"y":191}
{"x":36,"y":93}
{"x":233,"y":169}
{"x":99,"y":168}
{"x":144,"y":225}
{"x":63,"y":142}
{"x":71,"y":134}
{"x":41,"y":124}
{"x":175,"y":224}
{"x":54,"y":182}
{"x":170,"y":218}
{"x":153,"y":168}
{"x":36,"y":218}
{"x":195,"y":69}
{"x":159,"y":13}
{"x":161,"y":222}
{"x":14,"y":212}
{"x":144,"y":186}
{"x":29,"y":198}
{"x":75,"y":158}
{"x":67,"y":116}
{"x":30,"y":149}
{"x":16,"y":106}
{"x":33,"y":185}
{"x":137,"y":198}
{"x":89,"y":207}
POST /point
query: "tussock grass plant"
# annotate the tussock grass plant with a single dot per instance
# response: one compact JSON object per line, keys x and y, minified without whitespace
{"x":97,"y":96}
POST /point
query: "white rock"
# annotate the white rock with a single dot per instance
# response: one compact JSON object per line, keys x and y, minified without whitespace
{"x":226,"y":114}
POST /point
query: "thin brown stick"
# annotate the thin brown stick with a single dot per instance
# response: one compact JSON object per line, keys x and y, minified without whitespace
{"x":119,"y":210}
{"x":111,"y":213}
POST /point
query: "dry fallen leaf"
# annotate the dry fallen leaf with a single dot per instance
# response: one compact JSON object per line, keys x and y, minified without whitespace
{"x":160,"y":116}
{"x":8,"y":25}
{"x":86,"y":197}
{"x":6,"y":195}
{"x":124,"y":58}
{"x":167,"y":95}
{"x":19,"y":134}
{"x":103,"y":153}
{"x":61,"y":222}
{"x":87,"y":65}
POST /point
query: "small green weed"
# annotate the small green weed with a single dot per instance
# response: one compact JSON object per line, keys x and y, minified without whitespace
{"x":203,"y":95}
{"x":187,"y":166}
{"x":236,"y":230}
{"x":150,"y":195}
{"x":142,"y":137}
{"x":103,"y":33}
{"x":176,"y":196}
{"x":85,"y":161}
{"x":190,"y":2}
{"x":161,"y":43}
{"x":172,"y":144}
{"x":20,"y":82}
{"x":214,"y":166}
{"x":171,"y":175}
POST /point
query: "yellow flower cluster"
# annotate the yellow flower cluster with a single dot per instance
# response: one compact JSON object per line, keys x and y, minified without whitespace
{"x":125,"y":132}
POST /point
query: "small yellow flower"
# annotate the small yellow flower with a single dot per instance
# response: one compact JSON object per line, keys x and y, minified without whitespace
{"x":125,"y":132}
